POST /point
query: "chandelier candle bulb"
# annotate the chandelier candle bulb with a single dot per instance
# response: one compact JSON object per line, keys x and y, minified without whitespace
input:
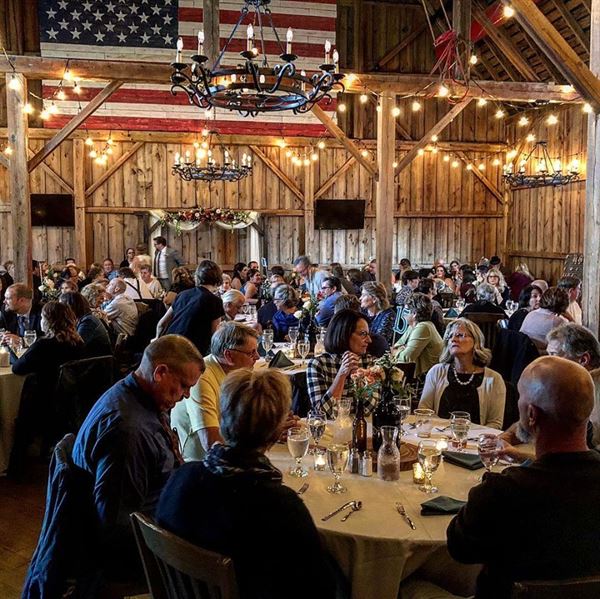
{"x":336,"y":61}
{"x":249,"y":37}
{"x":179,"y":49}
{"x":200,"y":42}
{"x":327,"y":51}
{"x":303,"y":84}
{"x":289,"y":38}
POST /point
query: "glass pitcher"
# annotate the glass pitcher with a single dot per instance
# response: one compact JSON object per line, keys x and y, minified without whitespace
{"x":388,"y":456}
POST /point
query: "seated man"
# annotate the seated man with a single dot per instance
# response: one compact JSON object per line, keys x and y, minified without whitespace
{"x":331,"y":288}
{"x":20,"y":314}
{"x":234,"y":502}
{"x":197,"y":418}
{"x":127,"y":446}
{"x":538,"y":522}
{"x":121,"y":310}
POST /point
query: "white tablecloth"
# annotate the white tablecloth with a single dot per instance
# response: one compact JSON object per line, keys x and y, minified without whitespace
{"x":10,"y":397}
{"x":375,"y":547}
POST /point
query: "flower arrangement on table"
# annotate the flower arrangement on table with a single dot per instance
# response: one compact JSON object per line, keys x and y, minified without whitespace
{"x":205,"y":215}
{"x":393,"y":375}
{"x":365,"y":381}
{"x":310,"y":306}
{"x":49,"y":287}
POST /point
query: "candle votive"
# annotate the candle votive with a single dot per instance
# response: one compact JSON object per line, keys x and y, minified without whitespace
{"x":320,"y":456}
{"x":442,"y":443}
{"x":418,"y":474}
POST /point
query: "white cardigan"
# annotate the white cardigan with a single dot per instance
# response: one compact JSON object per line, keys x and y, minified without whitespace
{"x":492,"y":394}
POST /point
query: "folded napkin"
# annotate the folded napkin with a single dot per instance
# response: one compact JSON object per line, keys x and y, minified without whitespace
{"x":452,"y":313}
{"x":440,"y":506}
{"x":464,"y":460}
{"x":280,"y":360}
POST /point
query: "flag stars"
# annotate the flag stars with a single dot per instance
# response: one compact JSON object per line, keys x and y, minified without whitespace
{"x":87,"y":6}
{"x":145,"y":38}
{"x":75,"y":34}
{"x":110,"y":7}
{"x":98,"y":15}
{"x":156,"y":29}
{"x":63,"y":4}
{"x":156,"y":9}
{"x":87,"y":26}
{"x":168,"y":40}
{"x":99,"y":36}
{"x":110,"y":27}
{"x":167,"y":19}
{"x":133,"y":9}
{"x":144,"y":18}
{"x":51,"y":13}
{"x":133,"y":28}
{"x":63,"y":24}
{"x":75,"y":15}
{"x":122,"y":37}
{"x":52,"y":33}
{"x":121,"y":15}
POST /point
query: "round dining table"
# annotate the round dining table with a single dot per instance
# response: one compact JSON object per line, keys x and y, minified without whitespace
{"x":10,"y":399}
{"x":375,"y":547}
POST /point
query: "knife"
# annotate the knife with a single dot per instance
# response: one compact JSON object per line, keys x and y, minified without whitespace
{"x":403,"y":513}
{"x":340,"y":509}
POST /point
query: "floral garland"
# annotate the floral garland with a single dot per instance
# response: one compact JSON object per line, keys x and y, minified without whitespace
{"x":49,"y":288}
{"x":205,"y":215}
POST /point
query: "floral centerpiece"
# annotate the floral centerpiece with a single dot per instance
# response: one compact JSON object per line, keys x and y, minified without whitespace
{"x":306,"y":318}
{"x":210,"y":216}
{"x":49,"y":287}
{"x":393,"y":375}
{"x":365,"y":381}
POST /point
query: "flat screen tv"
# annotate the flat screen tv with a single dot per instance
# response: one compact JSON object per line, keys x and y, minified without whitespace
{"x":52,"y":210}
{"x":340,"y":214}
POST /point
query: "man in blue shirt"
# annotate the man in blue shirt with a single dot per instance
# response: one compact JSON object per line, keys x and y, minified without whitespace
{"x":128,"y":448}
{"x":331,"y":290}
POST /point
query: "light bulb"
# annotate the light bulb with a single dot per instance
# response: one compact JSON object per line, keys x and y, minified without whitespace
{"x":552,"y":120}
{"x":109,"y":150}
{"x":8,"y":150}
{"x":281,"y":143}
{"x":68,"y":76}
{"x":53,"y":109}
{"x":434,"y":150}
{"x":481,"y":166}
{"x":587,"y":108}
{"x":341,"y":107}
{"x":89,"y":141}
{"x":469,"y":167}
{"x":109,"y":141}
{"x":349,"y":79}
{"x":205,"y":132}
{"x":93,"y":154}
{"x":14,"y":83}
{"x":481,"y":102}
{"x":196,"y":145}
{"x":508,"y":12}
{"x":28,"y":108}
{"x":60,"y":95}
{"x":321,"y":145}
{"x":446,"y":158}
{"x":394,"y":165}
{"x":443,"y":91}
{"x":76,"y":88}
{"x":473,"y":59}
{"x":364,"y":98}
{"x":395,"y":111}
{"x":364,"y":153}
{"x":523,"y":121}
{"x":434,"y":138}
{"x":530,"y":137}
{"x":420,"y":151}
{"x":416,"y":106}
{"x":499,"y":113}
{"x":511,"y":154}
{"x":288,"y":154}
{"x":314,"y":157}
{"x":454,"y":164}
{"x":306,"y":162}
{"x":496,"y":162}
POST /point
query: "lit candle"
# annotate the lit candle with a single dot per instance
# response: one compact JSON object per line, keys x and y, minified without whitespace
{"x":244,"y":156}
{"x":320,"y":461}
{"x":179,"y":49}
{"x":336,"y":60}
{"x":249,"y":36}
{"x":187,"y":155}
{"x":557,"y":166}
{"x":178,"y":158}
{"x":201,"y":42}
{"x":303,"y":85}
{"x":327,"y":51}
{"x":289,"y":38}
{"x":575,"y":165}
{"x":418,"y":474}
{"x":226,"y":156}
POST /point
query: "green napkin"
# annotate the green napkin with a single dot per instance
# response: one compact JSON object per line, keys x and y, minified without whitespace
{"x":464,"y":460}
{"x":440,"y":506}
{"x":280,"y":360}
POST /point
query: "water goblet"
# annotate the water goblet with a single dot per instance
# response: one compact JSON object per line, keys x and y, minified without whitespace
{"x":267,"y":340}
{"x":29,"y":338}
{"x":403,"y":404}
{"x":303,"y":349}
{"x":337,"y":459}
{"x":430,"y":457}
{"x":460,"y":304}
{"x":488,"y":446}
{"x":317,"y":421}
{"x":297,"y":442}
{"x":460,"y":423}
{"x":293,"y":334}
{"x":423,"y":422}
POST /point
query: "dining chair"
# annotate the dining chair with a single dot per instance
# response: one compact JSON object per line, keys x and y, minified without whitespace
{"x":177,"y":569}
{"x":582,"y":588}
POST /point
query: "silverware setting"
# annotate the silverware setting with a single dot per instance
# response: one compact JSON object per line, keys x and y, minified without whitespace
{"x":355,"y":507}
{"x":442,"y":429}
{"x":303,"y":489}
{"x":402,"y":512}
{"x":340,"y":509}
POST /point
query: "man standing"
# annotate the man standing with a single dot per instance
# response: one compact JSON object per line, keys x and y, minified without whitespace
{"x":331,"y":290}
{"x":165,"y":260}
{"x":313,"y":276}
{"x":127,"y":446}
{"x":20,"y":314}
{"x":538,"y":522}
{"x":121,"y":310}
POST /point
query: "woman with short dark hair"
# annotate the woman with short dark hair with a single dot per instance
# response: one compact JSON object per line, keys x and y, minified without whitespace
{"x":529,"y":300}
{"x":374,"y":301}
{"x":285,"y":299}
{"x":239,"y":276}
{"x":550,"y":314}
{"x":346,"y":343}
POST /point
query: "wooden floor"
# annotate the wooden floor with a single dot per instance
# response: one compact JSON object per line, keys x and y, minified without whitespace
{"x":21,"y":514}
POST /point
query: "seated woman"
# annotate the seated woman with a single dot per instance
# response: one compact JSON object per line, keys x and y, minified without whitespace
{"x":225,"y":285}
{"x":550,"y":314}
{"x":462,"y":381}
{"x":128,"y":259}
{"x":496,"y":279}
{"x":208,"y":503}
{"x":486,"y":302}
{"x":233,"y":300}
{"x":374,"y":301}
{"x":518,"y":280}
{"x":182,"y":280}
{"x":528,"y":300}
{"x":285,"y":299}
{"x":135,"y":288}
{"x":328,"y":376}
{"x":91,"y":329}
{"x":427,"y":287}
{"x":239,"y":276}
{"x":252,"y":287}
{"x":421,"y":342}
{"x":442,"y":279}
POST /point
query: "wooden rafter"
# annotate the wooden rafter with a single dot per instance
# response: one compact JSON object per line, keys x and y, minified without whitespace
{"x":113,"y":169}
{"x":74,"y":123}
{"x":502,"y":60}
{"x":341,"y":137}
{"x":210,"y":17}
{"x":3,"y":161}
{"x":404,"y":43}
{"x":553,"y":72}
{"x":504,"y":43}
{"x":338,"y":173}
{"x":486,"y":182}
{"x":573,"y":25}
{"x":435,"y":130}
{"x":52,"y":173}
{"x":400,"y":128}
{"x":278,"y":172}
{"x":461,"y":23}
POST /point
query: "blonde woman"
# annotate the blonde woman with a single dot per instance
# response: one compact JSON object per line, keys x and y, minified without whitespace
{"x":462,"y":381}
{"x":374,"y":301}
{"x":496,"y":279}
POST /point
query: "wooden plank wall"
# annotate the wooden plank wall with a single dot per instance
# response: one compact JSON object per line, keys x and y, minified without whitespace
{"x":546,"y":224}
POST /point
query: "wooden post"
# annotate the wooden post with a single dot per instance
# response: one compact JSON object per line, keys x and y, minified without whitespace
{"x":18,"y":137}
{"x":309,"y":207}
{"x":461,"y":23}
{"x":591,"y":241}
{"x":211,"y":30}
{"x":384,"y":203}
{"x":81,"y":255}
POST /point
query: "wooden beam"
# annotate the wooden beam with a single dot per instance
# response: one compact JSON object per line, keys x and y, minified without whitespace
{"x":404,"y":43}
{"x":461,"y":23}
{"x":81,"y":256}
{"x":339,"y":135}
{"x":113,"y":169}
{"x":338,"y":173}
{"x":574,"y":26}
{"x":503,"y":62}
{"x":400,"y":128}
{"x":591,"y":238}
{"x":435,"y":130}
{"x":4,"y":161}
{"x":385,"y":192}
{"x":542,"y":32}
{"x":19,"y":178}
{"x":486,"y":182}
{"x":535,"y":254}
{"x":309,"y":208}
{"x":278,"y":172}
{"x":504,"y":43}
{"x":210,"y":16}
{"x":52,"y":173}
{"x":74,"y":123}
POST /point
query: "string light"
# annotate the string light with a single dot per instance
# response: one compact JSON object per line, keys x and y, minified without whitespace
{"x":364,"y":98}
{"x":523,"y":121}
{"x":44,"y":115}
{"x":395,"y":111}
{"x":28,"y":108}
{"x":68,"y":76}
{"x":496,"y":162}
{"x":530,"y":137}
{"x":394,"y":165}
{"x":61,"y":94}
{"x":416,"y":106}
{"x":446,"y":158}
{"x":434,"y":150}
{"x":341,"y":107}
{"x":321,"y":145}
{"x":434,"y":138}
{"x":421,"y":151}
{"x":93,"y":154}
{"x":364,"y":153}
{"x":8,"y":151}
{"x":499,"y":113}
{"x":508,"y":12}
{"x":281,"y":143}
{"x":89,"y":141}
{"x":587,"y":108}
{"x":469,"y":167}
{"x":481,"y":166}
{"x":288,"y":154}
{"x":76,"y":88}
{"x":443,"y":91}
{"x":511,"y":154}
{"x":473,"y":59}
{"x":314,"y":157}
{"x":14,"y":83}
{"x":552,"y":120}
{"x":306,"y":162}
{"x":454,"y":164}
{"x":481,"y":102}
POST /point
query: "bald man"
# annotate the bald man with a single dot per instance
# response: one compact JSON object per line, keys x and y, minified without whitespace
{"x":121,"y":310}
{"x":538,"y":522}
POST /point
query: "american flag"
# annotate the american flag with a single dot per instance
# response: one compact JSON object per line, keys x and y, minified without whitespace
{"x":147,"y":30}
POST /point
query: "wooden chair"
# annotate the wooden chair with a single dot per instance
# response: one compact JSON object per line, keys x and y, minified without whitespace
{"x":582,"y":588}
{"x":488,"y":323}
{"x":177,"y":569}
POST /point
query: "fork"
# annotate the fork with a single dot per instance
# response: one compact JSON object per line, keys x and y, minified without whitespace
{"x":402,"y":511}
{"x":303,"y":489}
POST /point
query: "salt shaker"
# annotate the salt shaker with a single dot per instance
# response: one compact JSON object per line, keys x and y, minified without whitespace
{"x":366,"y":464}
{"x":354,"y":461}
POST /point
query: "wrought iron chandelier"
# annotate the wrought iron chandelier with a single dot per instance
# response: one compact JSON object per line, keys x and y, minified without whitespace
{"x":202,"y":165}
{"x":538,"y":169}
{"x":253,"y":86}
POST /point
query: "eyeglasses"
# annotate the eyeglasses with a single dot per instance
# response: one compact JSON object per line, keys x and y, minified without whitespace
{"x":252,"y":353}
{"x":459,"y":335}
{"x":325,"y":287}
{"x":362,"y":334}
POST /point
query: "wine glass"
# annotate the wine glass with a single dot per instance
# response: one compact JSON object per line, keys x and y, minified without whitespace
{"x":267,"y":340}
{"x":337,"y":459}
{"x":17,"y":347}
{"x":297,"y":441}
{"x":293,"y":334}
{"x":460,"y":304}
{"x":430,"y":457}
{"x":488,"y":447}
{"x":403,"y":404}
{"x":303,"y":349}
{"x":317,"y":421}
{"x":29,"y":338}
{"x":460,"y":423}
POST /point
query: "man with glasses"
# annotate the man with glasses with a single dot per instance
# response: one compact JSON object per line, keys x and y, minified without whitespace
{"x":197,"y":418}
{"x":330,"y":290}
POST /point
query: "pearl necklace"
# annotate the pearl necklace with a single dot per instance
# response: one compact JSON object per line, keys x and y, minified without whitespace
{"x":463,"y":383}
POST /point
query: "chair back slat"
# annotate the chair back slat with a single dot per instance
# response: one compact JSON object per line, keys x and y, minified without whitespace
{"x":488,"y":323}
{"x":177,"y":569}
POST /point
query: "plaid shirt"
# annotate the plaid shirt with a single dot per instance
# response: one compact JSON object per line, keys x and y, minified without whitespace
{"x":320,"y":374}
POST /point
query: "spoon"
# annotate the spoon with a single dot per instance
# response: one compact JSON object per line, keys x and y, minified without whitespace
{"x":355,"y":507}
